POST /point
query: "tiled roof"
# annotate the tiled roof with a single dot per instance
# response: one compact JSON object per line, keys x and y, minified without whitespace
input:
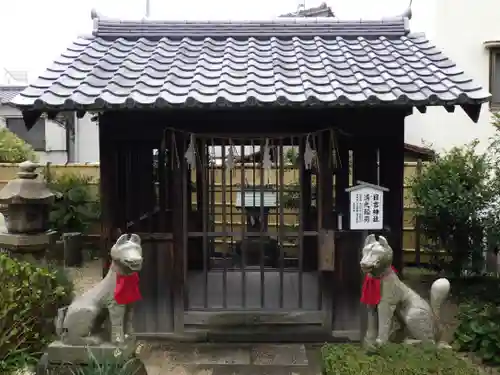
{"x":7,"y":93}
{"x":323,"y":10}
{"x":298,"y":61}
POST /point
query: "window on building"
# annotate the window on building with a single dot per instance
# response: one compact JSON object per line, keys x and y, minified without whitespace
{"x":35,"y":136}
{"x":495,"y":78}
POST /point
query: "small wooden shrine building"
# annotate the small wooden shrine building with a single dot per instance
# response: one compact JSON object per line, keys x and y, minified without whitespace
{"x":178,"y":102}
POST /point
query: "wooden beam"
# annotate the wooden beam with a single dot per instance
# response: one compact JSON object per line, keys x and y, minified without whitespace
{"x":179,"y":227}
{"x":239,"y":318}
{"x":107,"y":185}
{"x":392,"y":177}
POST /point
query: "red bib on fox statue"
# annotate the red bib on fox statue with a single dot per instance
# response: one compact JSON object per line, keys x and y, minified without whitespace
{"x":370,"y":292}
{"x":127,"y":289}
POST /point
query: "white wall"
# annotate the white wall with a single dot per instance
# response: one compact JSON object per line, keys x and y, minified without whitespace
{"x":55,"y":138}
{"x":87,"y":140}
{"x":458,"y":28}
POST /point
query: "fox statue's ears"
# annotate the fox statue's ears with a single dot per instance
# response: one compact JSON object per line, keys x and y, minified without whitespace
{"x":382,"y":241}
{"x":124,"y":239}
{"x":370,"y":240}
{"x":135,"y":239}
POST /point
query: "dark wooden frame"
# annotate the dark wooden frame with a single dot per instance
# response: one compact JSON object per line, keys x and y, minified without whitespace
{"x":494,"y":55}
{"x":126,"y":141}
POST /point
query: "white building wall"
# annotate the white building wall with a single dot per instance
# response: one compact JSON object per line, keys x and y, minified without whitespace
{"x":55,"y":136}
{"x":87,"y":140}
{"x":458,"y":28}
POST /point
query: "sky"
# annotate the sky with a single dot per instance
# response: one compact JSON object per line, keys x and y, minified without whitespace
{"x":34,"y":32}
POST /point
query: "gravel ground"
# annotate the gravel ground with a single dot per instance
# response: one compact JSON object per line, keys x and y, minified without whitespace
{"x":86,"y":276}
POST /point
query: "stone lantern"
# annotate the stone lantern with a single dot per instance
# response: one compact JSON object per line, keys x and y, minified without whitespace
{"x":28,"y":201}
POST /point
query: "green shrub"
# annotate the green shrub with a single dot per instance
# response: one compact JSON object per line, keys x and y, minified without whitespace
{"x":395,"y":359}
{"x":29,"y":298}
{"x":450,"y":196}
{"x":479,"y":331}
{"x":76,"y":206}
{"x":13,"y":149}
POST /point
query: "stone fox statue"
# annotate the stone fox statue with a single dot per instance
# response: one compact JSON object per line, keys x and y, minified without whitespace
{"x":392,"y":305}
{"x":80,"y":323}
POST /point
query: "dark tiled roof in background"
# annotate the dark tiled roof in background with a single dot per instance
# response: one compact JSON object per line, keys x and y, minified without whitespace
{"x":283,"y":62}
{"x":323,"y":10}
{"x":7,"y":93}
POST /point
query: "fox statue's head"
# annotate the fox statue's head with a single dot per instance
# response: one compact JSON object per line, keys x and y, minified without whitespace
{"x":376,"y":256}
{"x":126,"y":254}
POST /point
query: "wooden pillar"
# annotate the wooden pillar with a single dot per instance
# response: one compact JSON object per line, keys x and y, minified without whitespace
{"x":325,"y":182}
{"x":346,"y":280}
{"x":342,"y":180}
{"x":326,"y":238}
{"x":392,"y":177}
{"x":309,"y":258}
{"x":107,"y":188}
{"x":365,"y":166}
{"x":179,"y":227}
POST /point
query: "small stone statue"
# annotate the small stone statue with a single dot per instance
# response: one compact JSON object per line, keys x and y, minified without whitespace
{"x":81,"y":322}
{"x":393,"y":307}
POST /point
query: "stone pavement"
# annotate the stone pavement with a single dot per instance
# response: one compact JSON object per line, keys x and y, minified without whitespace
{"x":231,"y":359}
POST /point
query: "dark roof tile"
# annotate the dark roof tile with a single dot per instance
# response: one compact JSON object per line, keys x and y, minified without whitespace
{"x":323,"y":10}
{"x":8,"y":92}
{"x":298,"y":27}
{"x":289,"y":61}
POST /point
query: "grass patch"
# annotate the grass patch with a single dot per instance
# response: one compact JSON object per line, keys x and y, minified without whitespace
{"x":394,"y":359}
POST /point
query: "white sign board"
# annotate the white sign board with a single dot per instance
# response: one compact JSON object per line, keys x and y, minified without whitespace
{"x":366,"y":207}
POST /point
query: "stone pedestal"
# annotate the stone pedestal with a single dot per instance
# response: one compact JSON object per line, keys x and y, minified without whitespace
{"x":28,"y":247}
{"x":62,"y":359}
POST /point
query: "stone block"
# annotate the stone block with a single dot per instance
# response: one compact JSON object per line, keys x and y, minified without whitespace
{"x":62,"y":359}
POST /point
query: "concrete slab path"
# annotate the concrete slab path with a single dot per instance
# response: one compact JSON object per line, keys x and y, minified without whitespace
{"x":231,"y":359}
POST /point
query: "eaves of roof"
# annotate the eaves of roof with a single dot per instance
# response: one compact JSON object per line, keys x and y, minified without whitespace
{"x":284,"y":62}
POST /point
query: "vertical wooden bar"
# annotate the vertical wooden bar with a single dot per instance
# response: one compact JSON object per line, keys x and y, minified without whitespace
{"x":262,"y":222}
{"x":346,"y":278}
{"x":342,"y":180}
{"x":281,"y":183}
{"x":418,"y":223}
{"x":162,"y":184}
{"x":186,"y":211}
{"x":310,"y":259}
{"x":224,"y":225}
{"x":199,"y":176}
{"x":243,"y":228}
{"x":325,"y":208}
{"x":107,"y":179}
{"x":178,"y":229}
{"x":302,"y":173}
{"x":205,"y":216}
{"x":392,"y":177}
{"x":212,"y":165}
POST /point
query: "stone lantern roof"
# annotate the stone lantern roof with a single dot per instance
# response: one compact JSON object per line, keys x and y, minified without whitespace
{"x":26,"y":188}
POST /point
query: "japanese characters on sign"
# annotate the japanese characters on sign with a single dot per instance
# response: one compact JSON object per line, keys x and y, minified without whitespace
{"x":366,"y":208}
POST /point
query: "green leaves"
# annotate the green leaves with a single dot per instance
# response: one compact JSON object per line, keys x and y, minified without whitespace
{"x":13,"y":149}
{"x":479,"y":331}
{"x":29,"y":297}
{"x":76,"y":207}
{"x":450,"y":196}
{"x":339,"y":359}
